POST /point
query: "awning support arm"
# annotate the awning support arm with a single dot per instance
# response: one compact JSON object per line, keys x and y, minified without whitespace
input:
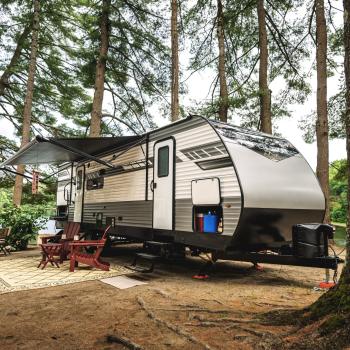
{"x":23,"y":175}
{"x":138,"y":142}
{"x":16,"y":173}
{"x":52,"y":174}
{"x":75,"y":151}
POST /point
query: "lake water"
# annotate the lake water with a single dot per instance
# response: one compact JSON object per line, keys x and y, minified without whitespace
{"x":339,"y":235}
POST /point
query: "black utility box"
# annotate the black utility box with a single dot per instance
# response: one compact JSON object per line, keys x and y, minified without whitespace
{"x":311,"y":240}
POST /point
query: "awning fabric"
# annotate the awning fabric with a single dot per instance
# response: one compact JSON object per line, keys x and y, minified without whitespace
{"x":42,"y":151}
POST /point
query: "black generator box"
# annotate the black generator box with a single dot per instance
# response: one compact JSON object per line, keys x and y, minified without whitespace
{"x":311,"y":240}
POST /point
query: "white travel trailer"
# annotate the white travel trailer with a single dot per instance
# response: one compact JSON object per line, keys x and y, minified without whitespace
{"x":198,"y":183}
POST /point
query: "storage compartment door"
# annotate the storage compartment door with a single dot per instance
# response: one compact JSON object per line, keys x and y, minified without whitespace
{"x":206,"y":191}
{"x":163,"y":184}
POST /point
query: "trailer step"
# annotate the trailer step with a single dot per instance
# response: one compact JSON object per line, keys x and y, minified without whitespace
{"x":147,"y":256}
{"x":140,"y":269}
{"x":144,"y":256}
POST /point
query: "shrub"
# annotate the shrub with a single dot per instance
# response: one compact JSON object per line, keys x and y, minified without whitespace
{"x":25,"y":221}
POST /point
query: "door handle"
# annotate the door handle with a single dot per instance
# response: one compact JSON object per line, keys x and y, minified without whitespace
{"x":153,"y":185}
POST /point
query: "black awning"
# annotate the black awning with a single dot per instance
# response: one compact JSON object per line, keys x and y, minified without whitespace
{"x":58,"y":150}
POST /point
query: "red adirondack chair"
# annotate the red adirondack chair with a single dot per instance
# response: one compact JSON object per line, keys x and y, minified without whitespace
{"x":77,"y":255}
{"x":70,"y":230}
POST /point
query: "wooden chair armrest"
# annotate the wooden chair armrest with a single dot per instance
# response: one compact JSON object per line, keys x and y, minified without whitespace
{"x":81,"y":235}
{"x":45,"y":240}
{"x":86,"y":244}
{"x":66,"y":239}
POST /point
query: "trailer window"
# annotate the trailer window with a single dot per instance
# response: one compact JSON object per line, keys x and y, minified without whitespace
{"x":95,"y":184}
{"x":163,"y":161}
{"x":95,"y":180}
{"x":79,"y":179}
{"x":271,"y":147}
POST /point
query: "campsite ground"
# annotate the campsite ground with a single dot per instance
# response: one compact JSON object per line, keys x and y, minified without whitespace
{"x":172,"y":311}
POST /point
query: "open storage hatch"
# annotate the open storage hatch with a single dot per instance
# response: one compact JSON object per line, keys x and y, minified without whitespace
{"x":207,"y":214}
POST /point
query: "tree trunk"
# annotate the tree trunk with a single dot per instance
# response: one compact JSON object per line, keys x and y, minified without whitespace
{"x":322,"y":117}
{"x":6,"y":75}
{"x":27,"y":109}
{"x":223,"y":103}
{"x":264,"y":92}
{"x":346,"y":271}
{"x":96,"y":115}
{"x":174,"y":63}
{"x":336,"y":300}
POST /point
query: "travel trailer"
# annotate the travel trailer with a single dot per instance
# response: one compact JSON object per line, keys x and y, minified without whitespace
{"x":196,"y":183}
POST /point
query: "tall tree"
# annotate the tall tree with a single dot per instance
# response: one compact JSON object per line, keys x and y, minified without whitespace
{"x":96,"y":115}
{"x":9,"y":70}
{"x":174,"y":62}
{"x":58,"y":91}
{"x":27,"y":110}
{"x":264,"y":91}
{"x":335,"y":303}
{"x":346,"y":271}
{"x":240,"y":35}
{"x":137,"y":67}
{"x":223,"y":101}
{"x":322,"y":168}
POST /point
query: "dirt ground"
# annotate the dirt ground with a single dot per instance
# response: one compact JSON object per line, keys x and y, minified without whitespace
{"x":173,"y":311}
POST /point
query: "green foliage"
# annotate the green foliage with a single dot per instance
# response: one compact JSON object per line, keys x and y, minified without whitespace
{"x":287,"y":37}
{"x":338,"y":190}
{"x":137,"y":63}
{"x":25,"y":221}
{"x":58,"y":91}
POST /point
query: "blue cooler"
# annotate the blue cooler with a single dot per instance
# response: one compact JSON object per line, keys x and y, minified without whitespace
{"x":211,"y":222}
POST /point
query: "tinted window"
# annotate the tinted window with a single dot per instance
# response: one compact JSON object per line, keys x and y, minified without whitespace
{"x":79,"y":179}
{"x":163,"y":161}
{"x":270,"y":147}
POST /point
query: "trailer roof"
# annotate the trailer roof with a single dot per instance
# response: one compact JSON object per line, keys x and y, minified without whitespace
{"x":57,"y":150}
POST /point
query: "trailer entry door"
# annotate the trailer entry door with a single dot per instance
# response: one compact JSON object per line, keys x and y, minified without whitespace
{"x":79,"y":194}
{"x":163,"y":184}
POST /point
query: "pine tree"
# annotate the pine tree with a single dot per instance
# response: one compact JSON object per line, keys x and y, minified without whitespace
{"x":282,"y":52}
{"x":57,"y":88}
{"x":27,"y":111}
{"x":334,"y":305}
{"x":137,"y":66}
{"x":223,"y":101}
{"x":264,"y":92}
{"x":345,"y":278}
{"x":174,"y":62}
{"x":322,"y":169}
{"x":96,"y":115}
{"x":9,"y":69}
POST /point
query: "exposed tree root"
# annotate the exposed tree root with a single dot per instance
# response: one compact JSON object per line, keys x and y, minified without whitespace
{"x":176,"y":329}
{"x":248,"y":330}
{"x":124,"y":341}
{"x":222,"y":319}
{"x":163,"y":293}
